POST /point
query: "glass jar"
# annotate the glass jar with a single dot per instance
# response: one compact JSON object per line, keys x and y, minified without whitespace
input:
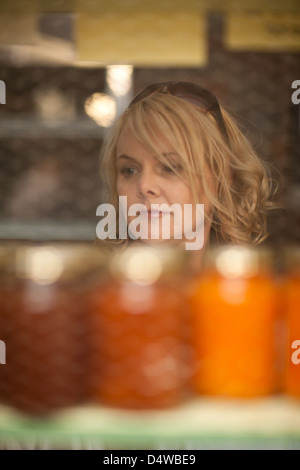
{"x":139,"y":352}
{"x":7,"y":250}
{"x":43,"y":325}
{"x":236,"y":324}
{"x":292,"y":299}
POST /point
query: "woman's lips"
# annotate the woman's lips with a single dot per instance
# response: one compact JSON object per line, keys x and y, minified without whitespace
{"x":155,"y":213}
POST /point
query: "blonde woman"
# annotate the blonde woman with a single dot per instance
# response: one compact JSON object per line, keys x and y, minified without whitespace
{"x":175,"y":144}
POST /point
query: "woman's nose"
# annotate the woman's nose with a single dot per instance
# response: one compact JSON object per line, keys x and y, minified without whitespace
{"x":149,"y":184}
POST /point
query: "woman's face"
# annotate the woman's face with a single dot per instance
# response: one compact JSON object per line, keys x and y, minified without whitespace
{"x":143,"y":179}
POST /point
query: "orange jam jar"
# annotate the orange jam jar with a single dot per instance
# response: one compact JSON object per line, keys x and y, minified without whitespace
{"x":292,"y":299}
{"x":137,"y":318}
{"x":236,"y":324}
{"x":43,"y":326}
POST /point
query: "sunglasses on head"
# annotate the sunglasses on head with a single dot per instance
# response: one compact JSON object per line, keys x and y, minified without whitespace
{"x":190,"y":92}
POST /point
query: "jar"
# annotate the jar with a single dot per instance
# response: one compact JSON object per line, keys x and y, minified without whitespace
{"x":292,"y":304}
{"x":236,"y":324}
{"x":139,"y":353}
{"x":7,"y":250}
{"x":43,"y":325}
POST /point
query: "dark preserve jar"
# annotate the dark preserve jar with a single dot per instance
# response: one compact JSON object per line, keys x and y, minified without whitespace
{"x":42,"y":322}
{"x":7,"y":250}
{"x":140,"y":354}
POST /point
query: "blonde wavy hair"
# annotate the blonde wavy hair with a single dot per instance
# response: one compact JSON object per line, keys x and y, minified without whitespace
{"x":242,"y":188}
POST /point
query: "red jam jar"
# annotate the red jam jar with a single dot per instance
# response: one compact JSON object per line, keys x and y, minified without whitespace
{"x":292,"y":304}
{"x":139,"y":354}
{"x":43,"y":325}
{"x":236,"y":324}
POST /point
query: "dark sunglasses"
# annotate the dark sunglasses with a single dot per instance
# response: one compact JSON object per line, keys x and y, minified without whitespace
{"x":191,"y":92}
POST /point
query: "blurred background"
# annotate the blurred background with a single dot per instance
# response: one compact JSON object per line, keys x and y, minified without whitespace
{"x":68,"y":68}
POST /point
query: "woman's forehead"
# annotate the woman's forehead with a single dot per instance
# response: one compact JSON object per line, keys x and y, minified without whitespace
{"x":138,"y":137}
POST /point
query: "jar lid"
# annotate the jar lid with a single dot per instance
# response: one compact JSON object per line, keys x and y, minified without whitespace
{"x":146,"y":264}
{"x":46,"y":263}
{"x":292,"y":257}
{"x":235,"y":261}
{"x":7,"y":255}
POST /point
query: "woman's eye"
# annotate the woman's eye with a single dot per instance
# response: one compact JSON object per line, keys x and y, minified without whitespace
{"x":174,"y":169}
{"x":168,"y":169}
{"x":127,"y":171}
